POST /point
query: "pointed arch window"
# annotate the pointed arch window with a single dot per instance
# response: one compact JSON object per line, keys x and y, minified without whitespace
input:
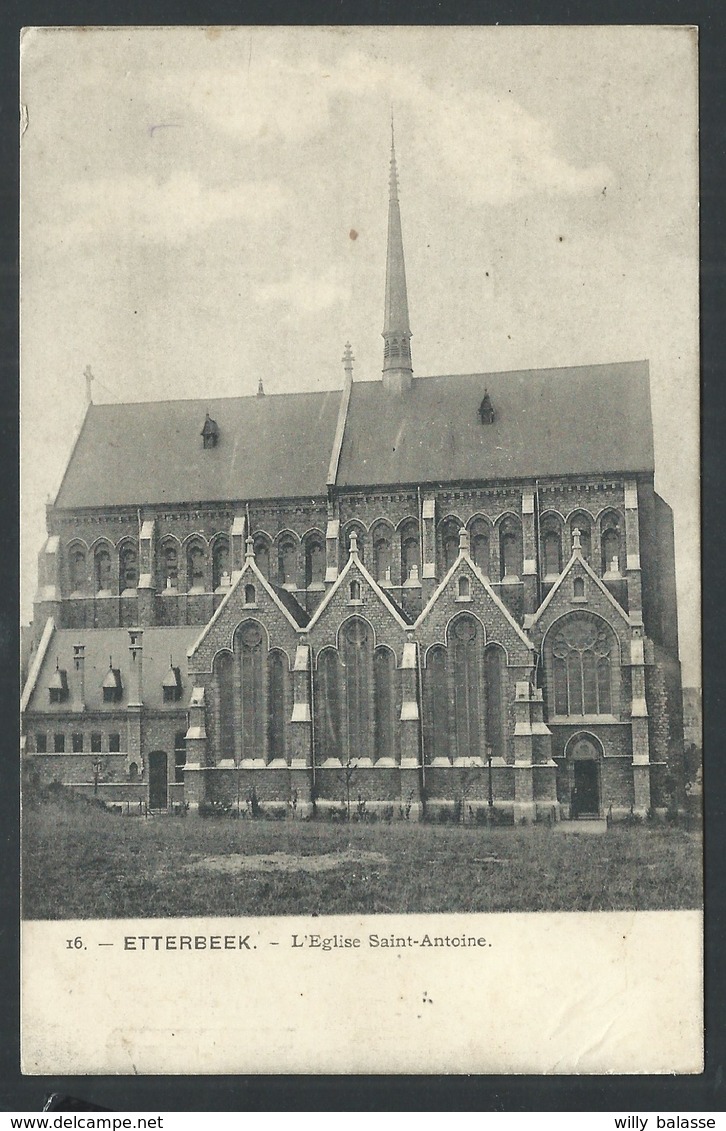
{"x":583,"y":659}
{"x":196,"y":568}
{"x":410,"y":550}
{"x":329,"y":731}
{"x":611,"y":546}
{"x":384,"y":668}
{"x":249,"y":642}
{"x":436,"y":699}
{"x":578,"y":587}
{"x":480,"y":545}
{"x":220,"y":564}
{"x":382,"y":556}
{"x":250,"y":595}
{"x":357,"y":649}
{"x":464,"y":589}
{"x":510,"y":548}
{"x":466,"y":655}
{"x":288,"y":563}
{"x":450,"y":543}
{"x":276,"y":715}
{"x":170,"y":565}
{"x":552,"y":553}
{"x":128,"y":568}
{"x":78,"y":569}
{"x":494,"y":682}
{"x":314,"y":562}
{"x":355,"y":592}
{"x":262,"y":556}
{"x":224,"y":672}
{"x":102,"y":565}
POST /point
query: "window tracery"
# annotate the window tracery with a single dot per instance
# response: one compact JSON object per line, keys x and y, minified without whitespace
{"x":583,"y":654}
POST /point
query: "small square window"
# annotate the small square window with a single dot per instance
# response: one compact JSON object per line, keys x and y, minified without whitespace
{"x":41,"y":743}
{"x":59,"y":743}
{"x":114,"y":743}
{"x":95,"y":743}
{"x":77,"y":743}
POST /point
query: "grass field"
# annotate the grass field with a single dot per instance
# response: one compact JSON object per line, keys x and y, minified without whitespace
{"x":80,"y":861}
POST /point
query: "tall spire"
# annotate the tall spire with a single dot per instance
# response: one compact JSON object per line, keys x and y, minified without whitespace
{"x":397,"y":370}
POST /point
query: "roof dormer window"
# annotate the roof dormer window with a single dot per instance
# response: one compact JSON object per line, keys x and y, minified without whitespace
{"x":58,"y":686}
{"x":210,"y":432}
{"x":486,"y":410}
{"x":171,"y":685}
{"x":111,"y":686}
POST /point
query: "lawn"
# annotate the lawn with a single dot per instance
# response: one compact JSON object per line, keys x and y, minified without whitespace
{"x":80,"y":861}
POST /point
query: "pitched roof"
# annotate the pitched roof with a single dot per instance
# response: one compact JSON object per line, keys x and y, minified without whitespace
{"x":102,"y":644}
{"x":577,"y":421}
{"x":269,"y":447}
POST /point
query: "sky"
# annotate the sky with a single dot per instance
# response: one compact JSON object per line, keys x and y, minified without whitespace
{"x":205,"y":207}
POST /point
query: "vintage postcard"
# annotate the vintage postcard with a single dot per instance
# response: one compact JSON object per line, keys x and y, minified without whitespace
{"x":360,"y":550}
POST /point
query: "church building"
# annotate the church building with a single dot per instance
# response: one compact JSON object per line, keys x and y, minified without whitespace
{"x":414,"y":592}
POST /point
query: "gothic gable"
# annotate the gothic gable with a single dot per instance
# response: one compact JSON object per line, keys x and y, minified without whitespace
{"x":357,"y":593}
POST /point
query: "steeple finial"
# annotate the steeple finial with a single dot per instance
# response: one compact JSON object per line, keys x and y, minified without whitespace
{"x":397,"y":369}
{"x":348,"y":360}
{"x":87,"y":373}
{"x":260,"y":388}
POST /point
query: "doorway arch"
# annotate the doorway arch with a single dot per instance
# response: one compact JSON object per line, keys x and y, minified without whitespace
{"x":584,"y":762}
{"x":158,"y":780}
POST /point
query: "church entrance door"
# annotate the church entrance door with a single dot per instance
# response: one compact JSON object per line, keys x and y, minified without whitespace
{"x":586,"y":789}
{"x":158,"y":780}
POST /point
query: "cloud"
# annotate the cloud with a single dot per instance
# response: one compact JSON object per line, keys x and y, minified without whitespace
{"x":306,"y":293}
{"x":160,"y":211}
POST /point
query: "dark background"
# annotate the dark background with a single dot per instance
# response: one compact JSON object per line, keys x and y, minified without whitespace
{"x":365,"y":1093}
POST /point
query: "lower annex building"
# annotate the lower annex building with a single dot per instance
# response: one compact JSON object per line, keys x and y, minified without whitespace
{"x":414,"y":591}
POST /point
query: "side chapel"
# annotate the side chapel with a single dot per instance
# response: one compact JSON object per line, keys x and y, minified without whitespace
{"x":420,"y":589}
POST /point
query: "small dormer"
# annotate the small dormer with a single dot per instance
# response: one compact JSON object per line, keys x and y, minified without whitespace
{"x":111,"y":686}
{"x":210,"y":432}
{"x":58,"y":686}
{"x":171,"y":685}
{"x":486,"y":409}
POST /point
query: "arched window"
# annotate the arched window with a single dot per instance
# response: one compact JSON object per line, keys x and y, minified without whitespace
{"x":494,"y":679}
{"x":224,"y":672}
{"x":450,"y":542}
{"x":583,"y":652}
{"x":410,"y":549}
{"x":262,"y":556}
{"x":356,"y":655}
{"x":180,"y":756}
{"x":314,"y":562}
{"x":480,"y":545}
{"x":510,"y":548}
{"x":196,"y":562}
{"x":578,"y":587}
{"x":276,"y":674}
{"x":384,"y":670}
{"x":464,"y":588}
{"x":250,"y":595}
{"x":134,"y":771}
{"x":611,"y":544}
{"x":249,"y":646}
{"x":328,"y":713}
{"x":78,"y":571}
{"x":437,"y":730}
{"x":287,"y":563}
{"x":466,"y":655}
{"x":220,"y":563}
{"x":382,"y":557}
{"x":551,"y":537}
{"x":170,"y":566}
{"x":355,"y":591}
{"x":128,"y":570}
{"x":582,"y":522}
{"x":103,"y":571}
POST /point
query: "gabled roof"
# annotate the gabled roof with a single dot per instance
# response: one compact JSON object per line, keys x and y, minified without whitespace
{"x":577,"y":557}
{"x":354,"y":562}
{"x":465,"y":557}
{"x":268,"y":447}
{"x":584,"y":420}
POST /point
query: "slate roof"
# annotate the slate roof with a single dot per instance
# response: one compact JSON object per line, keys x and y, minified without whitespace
{"x":548,"y":422}
{"x":269,"y":447}
{"x":159,"y":644}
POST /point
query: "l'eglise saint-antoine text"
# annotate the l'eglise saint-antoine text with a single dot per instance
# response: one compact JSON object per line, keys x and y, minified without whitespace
{"x":396,"y":942}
